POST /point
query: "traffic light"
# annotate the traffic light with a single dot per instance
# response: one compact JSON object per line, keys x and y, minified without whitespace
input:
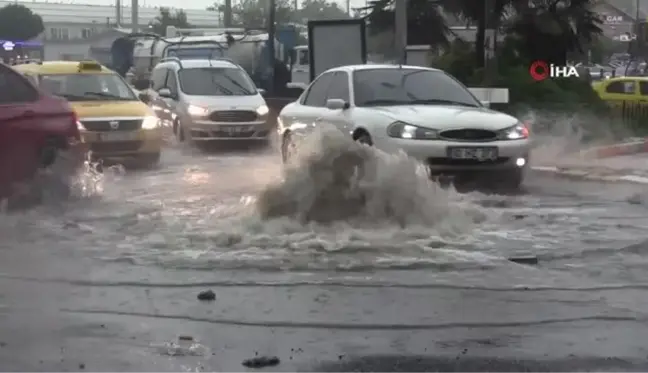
{"x":122,"y":55}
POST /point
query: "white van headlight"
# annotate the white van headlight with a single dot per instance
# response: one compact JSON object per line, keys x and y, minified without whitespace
{"x":262,"y":110}
{"x":197,"y":111}
{"x":150,"y":122}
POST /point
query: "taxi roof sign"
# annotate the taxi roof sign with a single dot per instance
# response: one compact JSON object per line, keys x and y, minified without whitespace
{"x":89,"y":66}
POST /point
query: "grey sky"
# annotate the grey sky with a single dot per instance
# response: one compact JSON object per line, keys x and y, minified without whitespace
{"x":195,"y":4}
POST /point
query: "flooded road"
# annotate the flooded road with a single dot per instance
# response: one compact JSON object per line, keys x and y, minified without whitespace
{"x":109,"y":283}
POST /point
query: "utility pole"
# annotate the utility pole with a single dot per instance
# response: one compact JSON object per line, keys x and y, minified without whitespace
{"x":400,"y":23}
{"x":227,"y":13}
{"x":118,"y":13}
{"x":490,"y":34}
{"x":271,"y":45}
{"x":134,"y":15}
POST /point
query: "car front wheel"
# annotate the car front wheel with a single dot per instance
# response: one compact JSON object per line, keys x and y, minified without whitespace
{"x":512,"y":179}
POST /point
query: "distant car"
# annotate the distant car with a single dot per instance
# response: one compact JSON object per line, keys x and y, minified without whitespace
{"x":35,"y":127}
{"x":209,"y":100}
{"x":425,"y":112}
{"x":113,"y":119}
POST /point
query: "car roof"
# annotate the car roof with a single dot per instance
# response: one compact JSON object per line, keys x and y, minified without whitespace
{"x":198,"y":63}
{"x":352,"y":68}
{"x":60,"y":67}
{"x":640,"y":78}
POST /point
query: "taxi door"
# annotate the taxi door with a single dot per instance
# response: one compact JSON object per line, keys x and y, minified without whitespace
{"x":622,"y":95}
{"x":643,"y":99}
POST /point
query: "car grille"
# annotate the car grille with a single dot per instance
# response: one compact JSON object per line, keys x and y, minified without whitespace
{"x":465,"y":162}
{"x":104,"y":125}
{"x":115,"y":147}
{"x":469,"y":134}
{"x":233,"y":116}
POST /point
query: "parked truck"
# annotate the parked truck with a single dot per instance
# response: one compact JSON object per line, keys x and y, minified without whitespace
{"x":140,"y":52}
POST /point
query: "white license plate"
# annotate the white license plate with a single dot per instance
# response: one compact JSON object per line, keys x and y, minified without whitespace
{"x":480,"y":154}
{"x":235,"y":129}
{"x":118,"y":136}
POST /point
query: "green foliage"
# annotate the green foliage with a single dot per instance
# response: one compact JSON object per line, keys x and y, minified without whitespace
{"x":166,"y":18}
{"x":19,"y":23}
{"x":320,"y":9}
{"x":254,"y":13}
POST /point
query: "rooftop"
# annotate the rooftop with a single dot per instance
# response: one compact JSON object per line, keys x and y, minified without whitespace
{"x":59,"y":12}
{"x":200,"y":63}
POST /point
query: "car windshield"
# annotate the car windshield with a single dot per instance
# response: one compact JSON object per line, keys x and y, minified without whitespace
{"x":409,"y":86}
{"x":214,"y":81}
{"x":88,"y":87}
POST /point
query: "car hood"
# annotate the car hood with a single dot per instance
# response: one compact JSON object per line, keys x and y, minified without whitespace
{"x":441,"y":117}
{"x":110,"y":109}
{"x":227,"y":102}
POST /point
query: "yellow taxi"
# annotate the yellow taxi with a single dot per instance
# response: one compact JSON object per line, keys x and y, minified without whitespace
{"x":629,"y":94}
{"x":114,"y":120}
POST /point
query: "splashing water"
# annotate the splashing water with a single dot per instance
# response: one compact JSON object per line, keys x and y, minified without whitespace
{"x":63,"y":182}
{"x":334,"y":178}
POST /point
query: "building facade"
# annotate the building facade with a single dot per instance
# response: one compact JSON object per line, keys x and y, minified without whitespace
{"x":72,"y":30}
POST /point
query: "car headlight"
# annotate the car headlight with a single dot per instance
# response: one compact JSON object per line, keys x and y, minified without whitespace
{"x":403,"y":130}
{"x":262,"y":110}
{"x":150,"y":122}
{"x":517,"y":132}
{"x":197,"y":111}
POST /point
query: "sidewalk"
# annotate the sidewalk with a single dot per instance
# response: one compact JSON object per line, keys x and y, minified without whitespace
{"x":620,"y":162}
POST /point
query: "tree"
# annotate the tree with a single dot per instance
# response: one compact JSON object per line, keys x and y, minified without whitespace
{"x":571,"y":23}
{"x":321,"y":9}
{"x":166,"y":18}
{"x":254,"y":13}
{"x":550,"y":29}
{"x":425,"y":21}
{"x":18,"y":23}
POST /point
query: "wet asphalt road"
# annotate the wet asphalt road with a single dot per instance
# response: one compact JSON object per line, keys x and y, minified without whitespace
{"x":110,"y":283}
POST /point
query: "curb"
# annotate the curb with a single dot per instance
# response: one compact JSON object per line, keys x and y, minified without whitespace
{"x":625,"y":148}
{"x":600,"y":175}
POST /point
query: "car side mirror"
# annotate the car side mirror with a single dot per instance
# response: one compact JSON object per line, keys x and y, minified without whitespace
{"x":145,"y":97}
{"x":336,"y":104}
{"x":486,"y":103}
{"x":165,"y":93}
{"x":262,"y":91}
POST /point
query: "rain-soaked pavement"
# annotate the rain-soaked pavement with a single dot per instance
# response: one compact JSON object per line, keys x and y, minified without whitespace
{"x":109,"y":283}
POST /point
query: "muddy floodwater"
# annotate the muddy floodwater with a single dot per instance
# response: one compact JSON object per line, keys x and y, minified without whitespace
{"x":407,"y":272}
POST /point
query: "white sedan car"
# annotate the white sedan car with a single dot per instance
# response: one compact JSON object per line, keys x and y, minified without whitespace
{"x":425,"y":112}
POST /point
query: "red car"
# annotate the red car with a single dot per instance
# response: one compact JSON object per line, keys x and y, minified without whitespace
{"x":35,"y":127}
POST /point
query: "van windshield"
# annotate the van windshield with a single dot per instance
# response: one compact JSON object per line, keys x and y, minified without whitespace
{"x":215,"y":81}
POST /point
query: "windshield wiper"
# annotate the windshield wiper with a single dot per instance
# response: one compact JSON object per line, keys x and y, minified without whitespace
{"x":104,"y":94}
{"x":225,"y":90}
{"x":71,"y":97}
{"x":237,"y":84}
{"x":440,"y":101}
